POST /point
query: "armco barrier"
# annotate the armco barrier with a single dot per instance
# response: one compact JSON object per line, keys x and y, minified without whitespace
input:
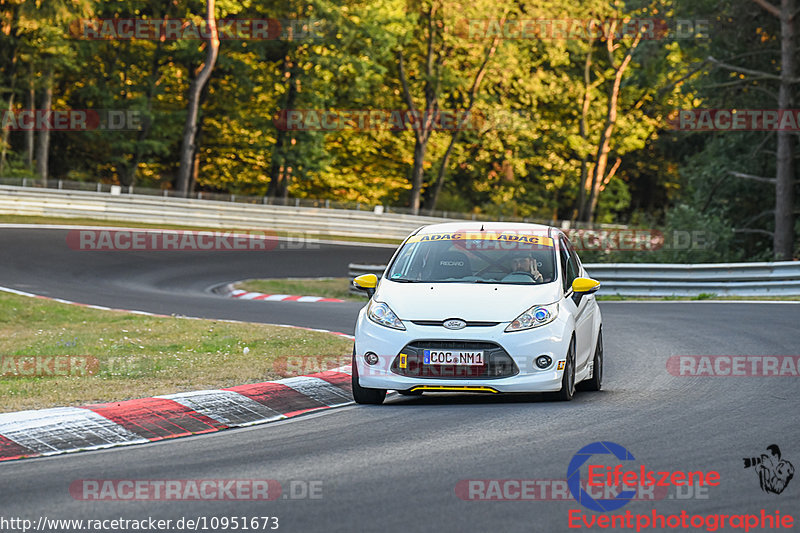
{"x":723,"y":279}
{"x":323,"y":217}
{"x":653,"y":279}
{"x":207,"y":213}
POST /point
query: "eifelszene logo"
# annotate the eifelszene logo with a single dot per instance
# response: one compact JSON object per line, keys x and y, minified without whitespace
{"x":617,"y":477}
{"x":574,"y":476}
{"x":774,"y":473}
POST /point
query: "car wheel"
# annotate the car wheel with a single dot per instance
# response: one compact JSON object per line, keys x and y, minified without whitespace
{"x":362,"y":394}
{"x":596,"y":381}
{"x":568,"y":381}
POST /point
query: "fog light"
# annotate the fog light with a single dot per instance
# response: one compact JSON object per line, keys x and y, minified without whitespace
{"x":543,"y":361}
{"x":371,"y":358}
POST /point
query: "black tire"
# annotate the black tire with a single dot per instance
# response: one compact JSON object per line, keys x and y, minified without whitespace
{"x":567,"y":391}
{"x":595,"y":382}
{"x":364,"y":395}
{"x":410,"y":392}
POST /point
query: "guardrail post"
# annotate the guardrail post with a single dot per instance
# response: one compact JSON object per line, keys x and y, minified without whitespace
{"x":24,"y":182}
{"x":60,"y":184}
{"x":99,"y":187}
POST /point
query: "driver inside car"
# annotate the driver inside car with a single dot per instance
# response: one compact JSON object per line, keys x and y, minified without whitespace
{"x":525,"y":263}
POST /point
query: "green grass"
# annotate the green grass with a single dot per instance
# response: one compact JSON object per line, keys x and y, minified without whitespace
{"x":338,"y":288}
{"x":327,"y":287}
{"x":140,"y":356}
{"x":25,"y":219}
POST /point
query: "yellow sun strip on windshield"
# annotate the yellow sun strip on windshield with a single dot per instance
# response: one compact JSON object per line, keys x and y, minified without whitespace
{"x":483,"y":236}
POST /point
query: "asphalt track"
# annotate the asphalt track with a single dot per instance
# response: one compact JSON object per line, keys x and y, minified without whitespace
{"x":396,"y":467}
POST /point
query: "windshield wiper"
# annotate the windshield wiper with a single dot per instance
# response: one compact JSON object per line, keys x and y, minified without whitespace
{"x":404,"y":280}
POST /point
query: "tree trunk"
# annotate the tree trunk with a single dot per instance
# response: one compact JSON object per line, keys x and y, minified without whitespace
{"x":29,"y":137}
{"x":6,"y":132}
{"x":129,"y":172}
{"x":584,"y":131}
{"x":188,"y":149}
{"x":783,"y":238}
{"x":473,"y":94}
{"x":424,"y":126}
{"x":443,"y":170}
{"x":420,"y":147}
{"x":604,"y":146}
{"x":277,"y":169}
{"x":43,"y":146}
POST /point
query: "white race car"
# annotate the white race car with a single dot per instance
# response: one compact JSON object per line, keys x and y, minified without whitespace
{"x":479,"y":307}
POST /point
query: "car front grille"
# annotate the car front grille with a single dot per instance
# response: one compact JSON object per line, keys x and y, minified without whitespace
{"x":440,"y":323}
{"x":497,"y":362}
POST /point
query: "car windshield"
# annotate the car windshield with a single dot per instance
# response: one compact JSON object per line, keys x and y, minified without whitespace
{"x":476,"y":257}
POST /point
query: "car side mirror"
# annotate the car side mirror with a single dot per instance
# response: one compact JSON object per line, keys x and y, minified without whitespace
{"x":366,"y":283}
{"x":585,"y":286}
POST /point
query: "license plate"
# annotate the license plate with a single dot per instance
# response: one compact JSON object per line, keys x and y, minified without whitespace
{"x":452,"y":357}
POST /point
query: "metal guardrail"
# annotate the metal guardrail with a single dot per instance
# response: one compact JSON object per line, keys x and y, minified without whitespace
{"x":207,"y":213}
{"x":325,"y":203}
{"x":723,"y":279}
{"x":653,"y":279}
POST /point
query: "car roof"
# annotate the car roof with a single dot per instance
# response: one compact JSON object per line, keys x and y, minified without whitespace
{"x":487,"y":226}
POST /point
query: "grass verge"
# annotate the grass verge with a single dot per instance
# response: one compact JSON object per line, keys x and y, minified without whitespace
{"x":325,"y":287}
{"x":338,"y":288}
{"x":137,"y":356}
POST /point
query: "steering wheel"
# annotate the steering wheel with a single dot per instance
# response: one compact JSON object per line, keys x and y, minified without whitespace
{"x":521,"y":272}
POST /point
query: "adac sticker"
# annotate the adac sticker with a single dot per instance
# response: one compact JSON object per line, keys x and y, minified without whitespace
{"x":561,"y":364}
{"x":520,"y":238}
{"x":403,"y":360}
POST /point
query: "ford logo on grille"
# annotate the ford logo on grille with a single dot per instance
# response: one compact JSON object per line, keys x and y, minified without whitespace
{"x":454,"y":323}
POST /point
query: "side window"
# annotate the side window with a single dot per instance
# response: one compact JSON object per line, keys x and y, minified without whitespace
{"x":569,"y":263}
{"x":574,"y":259}
{"x":563,"y":256}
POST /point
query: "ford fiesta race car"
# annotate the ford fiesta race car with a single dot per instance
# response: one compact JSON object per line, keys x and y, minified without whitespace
{"x":477,"y":307}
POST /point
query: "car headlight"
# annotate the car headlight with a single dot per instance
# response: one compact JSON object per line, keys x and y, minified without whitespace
{"x":380,"y":313}
{"x":536,"y":316}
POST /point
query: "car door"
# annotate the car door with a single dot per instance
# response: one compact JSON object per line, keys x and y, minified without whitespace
{"x":581,"y":307}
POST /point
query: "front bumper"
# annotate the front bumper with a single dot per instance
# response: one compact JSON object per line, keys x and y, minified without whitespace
{"x":522,"y":346}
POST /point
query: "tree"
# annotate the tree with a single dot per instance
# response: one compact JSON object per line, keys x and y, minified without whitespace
{"x":188,"y":147}
{"x":783,"y":232}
